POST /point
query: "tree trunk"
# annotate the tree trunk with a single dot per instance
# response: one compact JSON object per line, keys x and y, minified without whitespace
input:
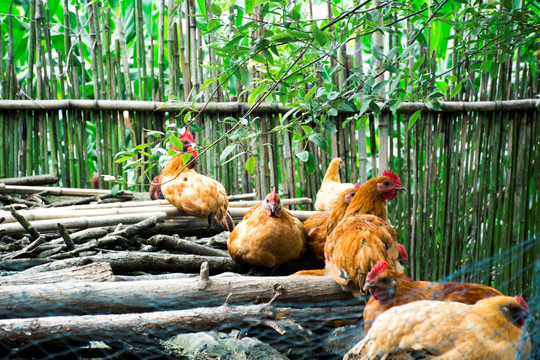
{"x":100,"y":271}
{"x":143,"y":296}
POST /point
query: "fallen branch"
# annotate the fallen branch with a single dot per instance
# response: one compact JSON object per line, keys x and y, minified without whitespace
{"x":82,"y":223}
{"x":177,"y":244}
{"x":100,"y":271}
{"x":25,"y":224}
{"x":145,"y":296}
{"x":11,"y":200}
{"x":119,"y":195}
{"x":18,"y":332}
{"x":57,"y":191}
{"x":31,"y":180}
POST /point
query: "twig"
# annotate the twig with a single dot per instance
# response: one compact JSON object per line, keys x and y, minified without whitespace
{"x":65,"y":235}
{"x":25,"y":224}
{"x":121,"y":195}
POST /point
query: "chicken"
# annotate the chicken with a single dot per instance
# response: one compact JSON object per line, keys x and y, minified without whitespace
{"x":188,"y":143}
{"x":493,"y":328}
{"x":268,"y":235}
{"x":363,"y":237}
{"x":316,"y":225}
{"x":389,"y":288}
{"x":355,"y":246}
{"x":331,"y":187}
{"x":195,"y":194}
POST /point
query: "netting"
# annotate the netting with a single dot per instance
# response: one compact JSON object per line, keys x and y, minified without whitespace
{"x":235,"y":313}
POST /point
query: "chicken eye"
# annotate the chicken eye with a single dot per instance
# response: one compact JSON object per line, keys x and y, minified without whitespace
{"x":386,"y":183}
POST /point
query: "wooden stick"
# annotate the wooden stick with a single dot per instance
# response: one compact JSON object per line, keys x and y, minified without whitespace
{"x":83,"y":223}
{"x":25,"y":224}
{"x":65,"y":235}
{"x":19,"y":189}
{"x":177,"y":244}
{"x":31,"y":180}
{"x":286,"y":202}
{"x":88,"y":200}
{"x":12,"y":200}
{"x":18,"y":332}
{"x":100,"y":271}
{"x":142,"y":296}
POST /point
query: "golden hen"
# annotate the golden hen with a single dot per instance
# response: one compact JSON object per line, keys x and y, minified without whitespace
{"x":316,"y":225}
{"x":331,"y":187}
{"x":195,"y":194}
{"x":268,"y":235}
{"x":493,"y":328}
{"x":188,"y":143}
{"x":363,"y":237}
{"x":389,"y":288}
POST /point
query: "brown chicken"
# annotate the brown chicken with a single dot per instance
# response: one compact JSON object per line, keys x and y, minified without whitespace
{"x":363,"y":237}
{"x":493,"y":328}
{"x":389,"y":288}
{"x":268,"y":235}
{"x":316,"y":225}
{"x":188,"y":143}
{"x":195,"y":194}
{"x":331,"y":187}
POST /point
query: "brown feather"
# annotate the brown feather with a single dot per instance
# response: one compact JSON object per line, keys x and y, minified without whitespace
{"x":331,"y":187}
{"x":267,"y":240}
{"x":390,"y":288}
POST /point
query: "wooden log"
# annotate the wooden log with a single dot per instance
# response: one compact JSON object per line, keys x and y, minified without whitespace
{"x":82,"y":223}
{"x":11,"y":200}
{"x":19,"y":332}
{"x":100,"y":271}
{"x":31,"y":180}
{"x":144,"y":296}
{"x":57,"y":191}
{"x":136,"y":261}
{"x":177,"y":244}
{"x":98,"y":198}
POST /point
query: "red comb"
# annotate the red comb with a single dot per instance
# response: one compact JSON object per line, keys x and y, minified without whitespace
{"x":188,"y":136}
{"x":392,"y":175}
{"x":522,"y":302}
{"x":402,"y":251}
{"x":273,"y":194}
{"x":356,"y":187}
{"x":378,"y":268}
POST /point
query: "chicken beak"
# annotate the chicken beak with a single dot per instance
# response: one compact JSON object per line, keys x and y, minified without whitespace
{"x":400,"y":189}
{"x":367,"y":286}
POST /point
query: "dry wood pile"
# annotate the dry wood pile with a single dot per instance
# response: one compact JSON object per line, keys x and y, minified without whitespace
{"x":105,"y":269}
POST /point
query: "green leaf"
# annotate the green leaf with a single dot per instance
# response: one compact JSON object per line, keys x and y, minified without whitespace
{"x":176,"y":142}
{"x":216,"y":9}
{"x":418,"y":63}
{"x":155,"y":133}
{"x":124,"y":158}
{"x":253,"y":96}
{"x":250,"y":6}
{"x":332,"y":112}
{"x":319,"y":140}
{"x":307,"y":129}
{"x":310,"y":93}
{"x":227,"y":151}
{"x":223,"y":79}
{"x":303,"y":156}
{"x":258,"y":58}
{"x":208,"y":82}
{"x":361,"y":122}
{"x":186,"y":157}
{"x":456,"y":90}
{"x":195,"y":128}
{"x":365,"y":106}
{"x":187,"y":117}
{"x":318,"y":35}
{"x":413,"y":118}
{"x":269,"y":57}
{"x":328,"y":125}
{"x":115,"y":189}
{"x":250,"y":165}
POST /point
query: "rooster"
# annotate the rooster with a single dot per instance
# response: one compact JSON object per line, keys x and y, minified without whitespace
{"x":331,"y":187}
{"x":188,"y":143}
{"x":363,"y":237}
{"x":268,"y":235}
{"x":316,"y":225}
{"x":389,"y":288}
{"x":195,"y":194}
{"x":493,"y":328}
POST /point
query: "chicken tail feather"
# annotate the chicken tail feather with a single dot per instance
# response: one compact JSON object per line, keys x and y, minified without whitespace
{"x":221,"y":220}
